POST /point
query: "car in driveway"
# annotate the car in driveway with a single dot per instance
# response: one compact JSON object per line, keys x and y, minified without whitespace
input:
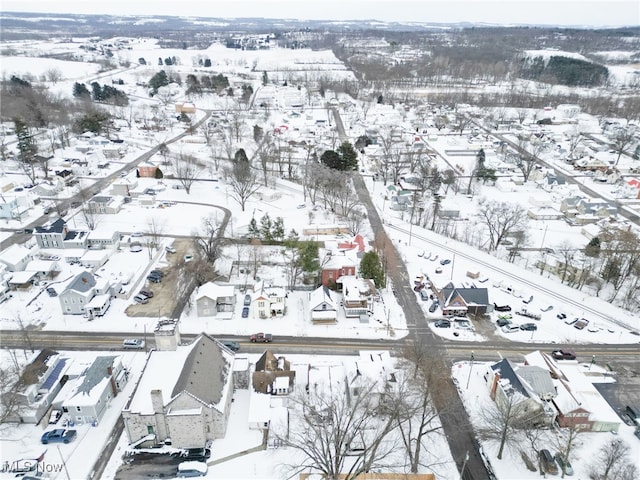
{"x":510,"y":328}
{"x":59,"y":435}
{"x":442,"y":323}
{"x":561,"y":316}
{"x":247,"y":300}
{"x":52,"y":292}
{"x":529,"y":327}
{"x":563,"y":354}
{"x":245,"y":312}
{"x":55,"y":416}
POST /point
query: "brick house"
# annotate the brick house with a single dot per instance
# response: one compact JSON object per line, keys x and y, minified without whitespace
{"x":273,"y":375}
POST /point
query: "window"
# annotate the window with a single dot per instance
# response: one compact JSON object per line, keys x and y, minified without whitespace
{"x":150,"y":429}
{"x":78,"y":409}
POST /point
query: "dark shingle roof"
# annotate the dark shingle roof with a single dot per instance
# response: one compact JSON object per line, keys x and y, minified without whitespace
{"x":506,"y":371}
{"x":477,"y":296}
{"x":205,"y":371}
{"x":55,"y":227}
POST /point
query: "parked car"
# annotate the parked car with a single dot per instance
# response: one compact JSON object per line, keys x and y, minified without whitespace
{"x":563,"y":354}
{"x":261,"y":338}
{"x":561,"y":316}
{"x":245,"y":312}
{"x":501,"y":308}
{"x":503,"y":321}
{"x":510,"y":328}
{"x":59,"y":435}
{"x":424,"y":295}
{"x":157,"y":273}
{"x":565,"y":466}
{"x":154,"y":278}
{"x":505,"y":316}
{"x":136,"y":234}
{"x":146,"y":293}
{"x":418,"y":287}
{"x":135,"y":248}
{"x":530,"y":327}
{"x":438,"y":270}
{"x":433,"y":307}
{"x":197,"y":454}
{"x":442,"y":323}
{"x":52,"y":292}
{"x":55,"y":416}
{"x":247,"y":300}
{"x":581,"y":323}
{"x":547,"y":462}
{"x":234,"y":346}
{"x":192,"y":469}
{"x":141,"y":299}
{"x":445,"y":261}
{"x":170,"y":250}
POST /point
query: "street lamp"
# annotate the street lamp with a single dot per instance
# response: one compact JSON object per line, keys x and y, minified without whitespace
{"x":593,"y":360}
{"x":470,"y":369}
{"x":464,"y":465}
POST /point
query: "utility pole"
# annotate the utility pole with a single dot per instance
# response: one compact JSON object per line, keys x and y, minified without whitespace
{"x":464,"y":465}
{"x":470,"y":369}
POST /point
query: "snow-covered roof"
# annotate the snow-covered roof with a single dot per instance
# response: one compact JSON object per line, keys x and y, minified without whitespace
{"x":321,"y":295}
{"x":213,"y":291}
{"x":14,"y":254}
{"x":98,"y":301}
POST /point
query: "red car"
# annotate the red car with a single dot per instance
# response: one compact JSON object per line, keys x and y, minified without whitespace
{"x":261,"y":338}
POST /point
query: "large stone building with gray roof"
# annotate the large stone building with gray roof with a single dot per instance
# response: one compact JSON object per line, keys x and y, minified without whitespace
{"x":184,"y":395}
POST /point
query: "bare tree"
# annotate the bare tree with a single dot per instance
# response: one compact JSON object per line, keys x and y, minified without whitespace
{"x":355,"y":221}
{"x":623,"y":138}
{"x":526,"y":158}
{"x":208,"y":238}
{"x":502,"y":219}
{"x":243,"y":180}
{"x":11,"y":401}
{"x":338,"y":431}
{"x":90,"y":216}
{"x":186,"y":169}
{"x":154,"y":231}
{"x":564,"y":443}
{"x":614,"y":463}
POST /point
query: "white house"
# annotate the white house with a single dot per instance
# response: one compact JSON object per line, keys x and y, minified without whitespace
{"x":78,"y":294}
{"x":16,"y":257}
{"x":268,"y":301}
{"x":322,"y":306}
{"x":357,"y":296}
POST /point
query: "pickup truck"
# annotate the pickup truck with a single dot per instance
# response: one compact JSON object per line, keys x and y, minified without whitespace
{"x":261,"y":338}
{"x":528,"y":314}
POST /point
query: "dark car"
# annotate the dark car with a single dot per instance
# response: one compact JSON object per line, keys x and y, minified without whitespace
{"x":154,"y":278}
{"x":234,"y":346}
{"x":442,"y":323}
{"x":433,"y":307}
{"x":548,"y":463}
{"x":565,"y":466}
{"x":501,"y":308}
{"x":503,"y":321}
{"x":530,"y":327}
{"x":563,"y":354}
{"x":157,"y":273}
{"x":245,"y":312}
{"x":59,"y":435}
{"x":52,"y":292}
{"x":247,"y":300}
{"x":561,"y":316}
{"x":197,"y":454}
{"x":446,"y":261}
{"x":418,"y":287}
{"x":146,"y":293}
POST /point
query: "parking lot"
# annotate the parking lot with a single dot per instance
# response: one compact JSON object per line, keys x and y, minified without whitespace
{"x":164,"y":299}
{"x":148,"y":465}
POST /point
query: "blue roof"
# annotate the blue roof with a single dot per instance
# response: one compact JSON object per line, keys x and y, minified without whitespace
{"x":54,"y":375}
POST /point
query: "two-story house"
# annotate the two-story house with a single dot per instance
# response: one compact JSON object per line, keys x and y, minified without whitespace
{"x":273,"y":375}
{"x":51,"y":235}
{"x":16,"y":257}
{"x":268,"y":301}
{"x":103,"y":204}
{"x":357,"y":296}
{"x":78,"y":293}
{"x":213,"y":300}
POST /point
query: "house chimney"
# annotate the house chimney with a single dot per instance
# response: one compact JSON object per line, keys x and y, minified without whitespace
{"x":112,"y":381}
{"x":156,"y":401}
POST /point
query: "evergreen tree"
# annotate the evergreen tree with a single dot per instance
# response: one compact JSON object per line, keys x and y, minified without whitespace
{"x":309,"y":257}
{"x":27,"y":146}
{"x":96,"y":92}
{"x":371,"y":267}
{"x":207,"y":63}
{"x":80,"y":90}
{"x":348,"y":156}
{"x":593,"y":248}
{"x":277,"y":229}
{"x":240,"y":156}
{"x":254,"y":231}
{"x":265,"y":78}
{"x":331,"y":159}
{"x":265,"y":228}
{"x":160,"y":79}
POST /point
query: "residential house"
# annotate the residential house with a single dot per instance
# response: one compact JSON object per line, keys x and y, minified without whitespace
{"x":77,"y":294}
{"x":268,"y":301}
{"x":184,"y":395}
{"x":124,"y":186}
{"x":66,"y":175}
{"x":51,"y":235}
{"x":16,"y":257}
{"x":463,"y":301}
{"x":528,"y":389}
{"x":105,"y":204}
{"x":43,"y":269}
{"x":103,"y":238}
{"x":273,"y":375}
{"x":147,"y":170}
{"x":322,"y":306}
{"x":577,"y":402}
{"x":185,"y":107}
{"x":9,"y":207}
{"x":357,"y":296}
{"x":86,"y":398}
{"x":341,"y":259}
{"x":42,"y":380}
{"x":213,"y":300}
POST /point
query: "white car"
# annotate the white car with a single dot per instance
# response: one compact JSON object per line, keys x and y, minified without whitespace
{"x":510,"y":328}
{"x":135,"y":248}
{"x":169,"y":249}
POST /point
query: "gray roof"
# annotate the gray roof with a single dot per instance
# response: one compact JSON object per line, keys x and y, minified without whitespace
{"x":55,"y":227}
{"x":95,"y":373}
{"x":205,"y":371}
{"x":538,"y":380}
{"x":82,"y":283}
{"x":477,"y":296}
